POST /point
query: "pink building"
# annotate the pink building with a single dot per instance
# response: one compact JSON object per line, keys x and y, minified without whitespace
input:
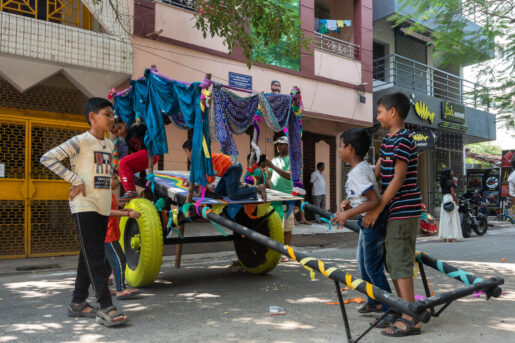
{"x":335,"y":77}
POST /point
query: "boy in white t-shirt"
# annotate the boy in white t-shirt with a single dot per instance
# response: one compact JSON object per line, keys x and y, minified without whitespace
{"x":91,"y":159}
{"x":362,"y":196}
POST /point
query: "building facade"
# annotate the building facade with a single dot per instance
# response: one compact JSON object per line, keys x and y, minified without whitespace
{"x":335,"y":77}
{"x":53,"y":56}
{"x":446,"y":111}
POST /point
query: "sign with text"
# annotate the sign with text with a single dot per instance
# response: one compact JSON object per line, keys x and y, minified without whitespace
{"x":240,"y":80}
{"x":452,"y":112}
{"x":424,"y":140}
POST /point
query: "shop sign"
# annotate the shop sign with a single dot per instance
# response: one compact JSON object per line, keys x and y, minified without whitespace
{"x":423,"y":112}
{"x":423,"y":140}
{"x":452,"y":112}
{"x":452,"y":126}
{"x":487,"y":182}
{"x":240,"y":80}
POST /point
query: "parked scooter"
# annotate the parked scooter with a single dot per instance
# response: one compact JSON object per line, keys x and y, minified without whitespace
{"x":473,"y":214}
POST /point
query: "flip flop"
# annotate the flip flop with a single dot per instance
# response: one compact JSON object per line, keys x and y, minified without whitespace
{"x":129,"y":295}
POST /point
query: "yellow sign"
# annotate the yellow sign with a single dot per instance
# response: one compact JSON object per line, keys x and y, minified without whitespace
{"x":423,"y":112}
{"x":420,"y":137}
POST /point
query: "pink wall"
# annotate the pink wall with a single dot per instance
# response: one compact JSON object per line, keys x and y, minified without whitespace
{"x":190,"y":65}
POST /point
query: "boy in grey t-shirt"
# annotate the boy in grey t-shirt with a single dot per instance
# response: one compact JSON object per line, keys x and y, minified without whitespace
{"x":362,"y":196}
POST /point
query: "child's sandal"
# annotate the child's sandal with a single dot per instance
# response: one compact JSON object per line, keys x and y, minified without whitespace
{"x":410,"y":330}
{"x":104,"y":318}
{"x":75,"y":310}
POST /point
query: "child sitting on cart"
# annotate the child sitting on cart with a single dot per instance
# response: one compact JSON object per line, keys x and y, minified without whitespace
{"x":136,"y":160}
{"x":230,"y":176}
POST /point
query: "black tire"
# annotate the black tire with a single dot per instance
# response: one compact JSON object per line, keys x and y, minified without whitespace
{"x":253,"y":257}
{"x":482,"y":227}
{"x":466,"y":227}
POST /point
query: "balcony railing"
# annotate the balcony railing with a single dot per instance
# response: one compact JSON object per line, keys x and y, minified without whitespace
{"x":72,"y":13}
{"x":399,"y":71}
{"x":186,"y":4}
{"x":336,"y":46}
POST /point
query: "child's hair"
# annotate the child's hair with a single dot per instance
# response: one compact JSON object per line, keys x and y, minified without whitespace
{"x":320,"y":165}
{"x":359,"y":139}
{"x":397,"y":100}
{"x":118,"y":120}
{"x":188,"y":145}
{"x":94,"y":105}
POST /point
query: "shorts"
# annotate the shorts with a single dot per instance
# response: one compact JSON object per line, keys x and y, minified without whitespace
{"x":289,"y":223}
{"x":400,"y":241}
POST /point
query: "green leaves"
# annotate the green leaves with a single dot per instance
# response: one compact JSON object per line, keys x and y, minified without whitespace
{"x":252,"y":25}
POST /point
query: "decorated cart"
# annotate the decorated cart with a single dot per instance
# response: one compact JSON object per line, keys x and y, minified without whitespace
{"x":214,"y":115}
{"x":257,"y":224}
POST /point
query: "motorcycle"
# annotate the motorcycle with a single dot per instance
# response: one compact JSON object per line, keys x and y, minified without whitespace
{"x":473,"y":214}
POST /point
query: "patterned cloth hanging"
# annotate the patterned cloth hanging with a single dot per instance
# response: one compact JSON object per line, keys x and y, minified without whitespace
{"x":231,"y":113}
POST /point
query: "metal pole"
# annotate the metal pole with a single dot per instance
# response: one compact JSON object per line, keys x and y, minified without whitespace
{"x":344,"y":313}
{"x":456,"y":273}
{"x":335,"y":274}
{"x":350,"y":224}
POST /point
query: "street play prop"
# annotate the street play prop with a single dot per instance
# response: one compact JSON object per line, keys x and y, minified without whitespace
{"x":212,"y":115}
{"x":419,"y":309}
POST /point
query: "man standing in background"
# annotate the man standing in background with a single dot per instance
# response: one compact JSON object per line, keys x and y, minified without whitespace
{"x":318,"y":193}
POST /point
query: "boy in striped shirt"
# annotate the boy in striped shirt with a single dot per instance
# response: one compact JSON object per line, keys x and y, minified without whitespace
{"x":397,"y":168}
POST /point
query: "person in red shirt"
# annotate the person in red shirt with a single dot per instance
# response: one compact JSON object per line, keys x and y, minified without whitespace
{"x":137,"y":158}
{"x":230,"y":176}
{"x":113,"y":251}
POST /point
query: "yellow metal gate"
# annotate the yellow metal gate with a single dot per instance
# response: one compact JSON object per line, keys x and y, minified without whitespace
{"x":35,"y":217}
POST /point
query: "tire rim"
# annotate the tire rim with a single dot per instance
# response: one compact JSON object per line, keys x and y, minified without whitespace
{"x":131,"y":234}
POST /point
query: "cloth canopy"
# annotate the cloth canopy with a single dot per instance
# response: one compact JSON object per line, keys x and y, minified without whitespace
{"x":155,"y":95}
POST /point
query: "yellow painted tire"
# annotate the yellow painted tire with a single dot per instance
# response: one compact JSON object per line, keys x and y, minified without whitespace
{"x":145,"y":256}
{"x":253,"y":257}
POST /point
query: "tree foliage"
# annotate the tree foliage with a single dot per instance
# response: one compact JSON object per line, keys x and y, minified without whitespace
{"x":252,"y":24}
{"x":456,"y":42}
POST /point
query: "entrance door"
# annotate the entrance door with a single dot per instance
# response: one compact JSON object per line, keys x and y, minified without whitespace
{"x":35,"y":216}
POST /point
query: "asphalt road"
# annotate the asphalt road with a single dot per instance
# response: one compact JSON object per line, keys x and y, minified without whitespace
{"x":203,"y":302}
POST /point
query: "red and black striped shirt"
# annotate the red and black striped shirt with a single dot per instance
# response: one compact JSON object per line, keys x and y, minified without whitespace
{"x":407,"y":203}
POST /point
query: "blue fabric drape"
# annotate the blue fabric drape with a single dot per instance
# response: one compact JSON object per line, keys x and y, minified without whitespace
{"x":153,"y":96}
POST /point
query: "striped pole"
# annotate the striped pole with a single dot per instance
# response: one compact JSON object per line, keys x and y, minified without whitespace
{"x":327,"y":270}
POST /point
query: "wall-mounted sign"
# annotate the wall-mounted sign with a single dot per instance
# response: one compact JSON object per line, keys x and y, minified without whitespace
{"x":240,"y":80}
{"x":423,"y":112}
{"x":453,"y":112}
{"x":453,"y":126}
{"x":423,"y":140}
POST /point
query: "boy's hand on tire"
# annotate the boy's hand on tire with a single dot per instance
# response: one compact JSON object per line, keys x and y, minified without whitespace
{"x":76,"y":190}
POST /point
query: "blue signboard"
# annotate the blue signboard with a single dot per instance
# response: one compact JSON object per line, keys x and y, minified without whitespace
{"x":240,"y":80}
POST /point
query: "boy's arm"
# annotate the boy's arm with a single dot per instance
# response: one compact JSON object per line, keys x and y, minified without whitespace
{"x":284,"y":173}
{"x":52,"y":160}
{"x":125,"y":213}
{"x":377,"y":169}
{"x":372,"y":202}
{"x":399,"y":175}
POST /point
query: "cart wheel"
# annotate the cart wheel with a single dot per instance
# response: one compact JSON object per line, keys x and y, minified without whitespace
{"x":142,"y":242}
{"x":253,"y":257}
